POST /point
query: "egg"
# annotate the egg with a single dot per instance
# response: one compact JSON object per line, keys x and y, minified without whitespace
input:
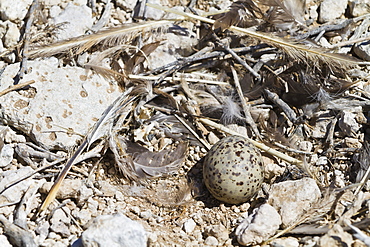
{"x":233,"y":170}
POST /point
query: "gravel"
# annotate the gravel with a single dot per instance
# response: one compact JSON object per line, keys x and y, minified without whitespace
{"x":44,"y":122}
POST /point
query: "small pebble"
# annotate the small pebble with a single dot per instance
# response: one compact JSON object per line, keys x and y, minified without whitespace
{"x":211,"y":241}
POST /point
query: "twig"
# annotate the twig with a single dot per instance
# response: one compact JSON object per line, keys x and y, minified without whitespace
{"x":246,"y":107}
{"x":283,"y":106}
{"x":176,"y":78}
{"x":241,"y":61}
{"x":104,"y":19}
{"x":204,"y":143}
{"x":16,"y":87}
{"x":26,"y":42}
{"x":292,"y":149}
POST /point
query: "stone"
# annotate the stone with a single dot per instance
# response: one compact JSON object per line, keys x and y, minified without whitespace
{"x":4,"y":241}
{"x":218,"y":231}
{"x":261,"y":224}
{"x":75,"y":20}
{"x":12,"y":35}
{"x":211,"y":241}
{"x":293,"y":198}
{"x":359,"y":7}
{"x":348,"y":124}
{"x":6,"y":154}
{"x":56,"y":110}
{"x":127,"y":5}
{"x":331,"y":10}
{"x":60,"y":223}
{"x":69,"y":189}
{"x":14,"y":12}
{"x":189,"y":226}
{"x":14,"y":193}
{"x":286,"y":242}
{"x":114,"y":231}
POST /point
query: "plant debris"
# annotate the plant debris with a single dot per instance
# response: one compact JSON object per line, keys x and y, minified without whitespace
{"x":175,"y":77}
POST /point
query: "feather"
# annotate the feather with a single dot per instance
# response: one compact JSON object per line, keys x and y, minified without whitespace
{"x":242,"y":13}
{"x":284,"y":13}
{"x":100,"y":129}
{"x":136,"y":162}
{"x":109,"y":37}
{"x":309,"y":55}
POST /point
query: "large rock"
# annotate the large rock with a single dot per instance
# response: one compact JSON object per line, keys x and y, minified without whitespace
{"x":60,"y":107}
{"x":292,"y":199}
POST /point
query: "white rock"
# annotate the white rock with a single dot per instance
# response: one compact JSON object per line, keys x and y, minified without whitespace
{"x":127,"y":5}
{"x":12,"y":35}
{"x":359,"y":7}
{"x":14,"y":11}
{"x":63,"y":102}
{"x":286,"y":242}
{"x":189,"y":225}
{"x":293,"y":198}
{"x":60,"y":223}
{"x":69,"y":189}
{"x":332,"y":9}
{"x":77,"y":20}
{"x":259,"y":226}
{"x":114,"y":231}
{"x":347,"y":123}
{"x":54,"y":11}
{"x":6,"y":154}
{"x":14,"y":193}
{"x":211,"y":241}
{"x":218,"y":231}
{"x":4,"y":241}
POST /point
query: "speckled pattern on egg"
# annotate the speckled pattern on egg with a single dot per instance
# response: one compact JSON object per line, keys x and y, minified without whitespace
{"x":233,"y":170}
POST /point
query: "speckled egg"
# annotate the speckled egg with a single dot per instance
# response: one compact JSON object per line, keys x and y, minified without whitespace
{"x":233,"y":170}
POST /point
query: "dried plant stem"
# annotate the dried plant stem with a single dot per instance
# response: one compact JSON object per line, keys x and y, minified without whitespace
{"x":205,"y":144}
{"x":26,"y":42}
{"x":259,"y":145}
{"x":16,"y":87}
{"x":241,"y":61}
{"x":363,"y":181}
{"x":176,"y":78}
{"x":246,"y":107}
{"x":297,"y":51}
{"x":283,"y":106}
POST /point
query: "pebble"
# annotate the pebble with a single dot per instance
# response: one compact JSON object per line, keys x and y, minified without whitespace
{"x":348,"y":124}
{"x":211,"y":241}
{"x":218,"y":231}
{"x":75,"y":20}
{"x":12,"y":35}
{"x":359,"y":7}
{"x":114,"y":231}
{"x":69,"y":188}
{"x":14,"y":12}
{"x":14,"y":193}
{"x":261,"y":224}
{"x":293,"y":198}
{"x":6,"y":154}
{"x":331,"y":9}
{"x":4,"y":241}
{"x":189,"y":226}
{"x":285,"y":242}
